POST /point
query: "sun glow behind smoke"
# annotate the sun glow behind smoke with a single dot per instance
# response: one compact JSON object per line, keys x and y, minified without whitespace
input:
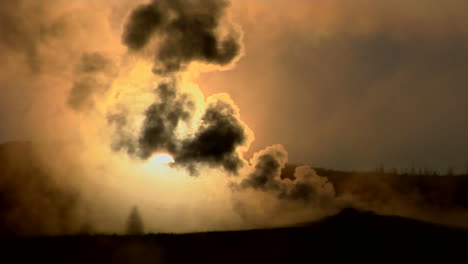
{"x":162,"y":159}
{"x":160,"y":164}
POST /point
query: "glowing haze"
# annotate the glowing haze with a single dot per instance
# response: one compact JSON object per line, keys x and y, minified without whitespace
{"x":131,"y":127}
{"x":111,"y":94}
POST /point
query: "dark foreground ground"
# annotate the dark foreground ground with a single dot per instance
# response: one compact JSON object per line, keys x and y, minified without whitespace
{"x":349,"y":237}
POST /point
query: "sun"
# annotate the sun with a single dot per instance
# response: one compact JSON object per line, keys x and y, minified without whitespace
{"x":159,"y":163}
{"x":162,"y":158}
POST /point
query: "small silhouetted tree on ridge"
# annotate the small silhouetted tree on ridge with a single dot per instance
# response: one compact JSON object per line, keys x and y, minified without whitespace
{"x":134,"y":222}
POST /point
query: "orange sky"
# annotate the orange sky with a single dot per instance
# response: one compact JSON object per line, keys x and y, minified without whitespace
{"x":340,"y":84}
{"x":343,"y":84}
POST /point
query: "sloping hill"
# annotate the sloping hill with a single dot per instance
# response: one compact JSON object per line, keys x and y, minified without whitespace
{"x":32,"y":201}
{"x":422,"y":195}
{"x":351,"y":236}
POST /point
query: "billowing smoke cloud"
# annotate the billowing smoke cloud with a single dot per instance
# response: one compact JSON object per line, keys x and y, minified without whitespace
{"x":267,"y":169}
{"x":306,"y":185}
{"x":214,"y":143}
{"x":186,"y":31}
{"x":309,"y":186}
{"x":162,"y":119}
{"x":264,"y":197}
{"x":95,"y":72}
{"x":217,"y":139}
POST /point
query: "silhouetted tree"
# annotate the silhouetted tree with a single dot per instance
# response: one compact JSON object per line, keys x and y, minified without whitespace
{"x":134,"y":222}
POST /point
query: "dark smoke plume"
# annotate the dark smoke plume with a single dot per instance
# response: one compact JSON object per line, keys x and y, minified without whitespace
{"x":215,"y":143}
{"x":267,"y":170}
{"x":183,"y":32}
{"x":161,"y":120}
{"x":95,"y":73}
{"x":306,"y":185}
{"x":309,"y":186}
{"x":186,"y":31}
{"x":124,"y":140}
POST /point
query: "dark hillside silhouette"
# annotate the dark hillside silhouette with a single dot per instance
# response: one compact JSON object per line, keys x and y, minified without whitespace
{"x":351,"y":236}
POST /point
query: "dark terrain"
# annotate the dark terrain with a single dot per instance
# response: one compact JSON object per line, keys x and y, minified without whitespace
{"x":350,"y":237}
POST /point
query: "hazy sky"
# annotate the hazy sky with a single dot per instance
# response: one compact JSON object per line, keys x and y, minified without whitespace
{"x":102,"y":87}
{"x":352,"y":84}
{"x":341,"y":84}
